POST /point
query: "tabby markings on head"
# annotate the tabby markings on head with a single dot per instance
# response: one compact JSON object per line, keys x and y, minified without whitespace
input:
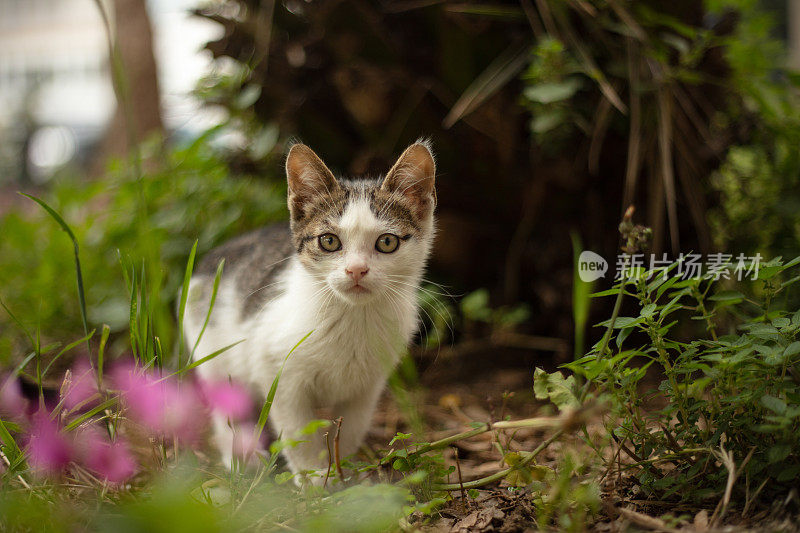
{"x":404,"y":199}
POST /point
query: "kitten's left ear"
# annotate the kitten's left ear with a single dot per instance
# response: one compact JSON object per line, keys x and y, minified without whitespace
{"x":308,"y":179}
{"x":413,"y":176}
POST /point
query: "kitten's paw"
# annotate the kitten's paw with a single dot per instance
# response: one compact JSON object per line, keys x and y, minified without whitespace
{"x":310,"y":478}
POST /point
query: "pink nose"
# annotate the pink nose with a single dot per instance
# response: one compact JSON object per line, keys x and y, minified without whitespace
{"x":356,"y":272}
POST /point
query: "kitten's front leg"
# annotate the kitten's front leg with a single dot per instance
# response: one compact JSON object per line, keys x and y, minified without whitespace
{"x":356,"y":419}
{"x":290,"y":414}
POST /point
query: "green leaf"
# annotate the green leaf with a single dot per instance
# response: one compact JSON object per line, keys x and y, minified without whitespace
{"x":555,"y":388}
{"x":767,"y":331}
{"x":622,"y":335}
{"x":667,"y":284}
{"x":621,"y":322}
{"x":415,"y":478}
{"x":788,"y":474}
{"x":547,"y":121}
{"x":727,"y":296}
{"x":401,"y":465}
{"x":773,"y":404}
{"x":769,"y":272}
{"x":549,"y":92}
{"x":778,"y":453}
{"x":791,"y":350}
{"x":647,"y":311}
{"x":400,"y":436}
{"x":608,"y":292}
{"x":283,"y":477}
{"x":781,"y":322}
{"x":247,"y":96}
{"x":314,"y":426}
{"x":9,"y":444}
{"x":475,"y":306}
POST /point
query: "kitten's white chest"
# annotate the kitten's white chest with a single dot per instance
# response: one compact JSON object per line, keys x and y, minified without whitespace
{"x":349,"y":351}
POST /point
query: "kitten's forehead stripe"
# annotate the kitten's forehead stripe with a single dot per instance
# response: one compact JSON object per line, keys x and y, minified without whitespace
{"x":325,"y":211}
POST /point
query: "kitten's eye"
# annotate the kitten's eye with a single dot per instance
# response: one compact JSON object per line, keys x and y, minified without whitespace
{"x":329,"y":242}
{"x":387,"y":243}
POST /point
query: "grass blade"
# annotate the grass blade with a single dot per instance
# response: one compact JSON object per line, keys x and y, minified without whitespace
{"x":264,"y":415}
{"x":9,"y":443}
{"x":66,"y":228}
{"x":101,"y":350}
{"x":581,"y":297}
{"x":187,"y":276}
{"x":111,"y":402}
{"x":67,"y":348}
{"x":498,"y":73}
{"x":133,"y":328}
{"x":214,"y":289}
{"x":487,"y":10}
{"x":24,"y":362}
{"x":204,"y":359}
{"x":18,"y":323}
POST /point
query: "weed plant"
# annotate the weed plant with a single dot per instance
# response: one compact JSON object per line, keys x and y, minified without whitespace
{"x":723,"y":421}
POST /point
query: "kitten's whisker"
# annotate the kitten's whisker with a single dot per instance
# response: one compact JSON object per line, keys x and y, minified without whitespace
{"x":422,"y":280}
{"x":267,"y":286}
{"x":440,"y":310}
{"x":407,"y":299}
{"x":420,"y":287}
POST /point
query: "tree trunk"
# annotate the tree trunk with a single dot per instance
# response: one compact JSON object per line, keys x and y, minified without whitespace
{"x":141,"y":116}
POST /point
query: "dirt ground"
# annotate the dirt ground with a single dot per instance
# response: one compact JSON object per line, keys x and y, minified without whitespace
{"x":450,"y":402}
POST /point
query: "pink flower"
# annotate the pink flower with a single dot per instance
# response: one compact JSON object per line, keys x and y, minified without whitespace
{"x":111,"y":460}
{"x":82,"y":388}
{"x":162,"y":406}
{"x":12,"y":403}
{"x":229,"y":399}
{"x":49,"y":450}
{"x":245,"y":442}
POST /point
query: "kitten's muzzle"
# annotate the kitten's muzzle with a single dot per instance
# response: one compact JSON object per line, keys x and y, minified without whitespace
{"x":356,"y":272}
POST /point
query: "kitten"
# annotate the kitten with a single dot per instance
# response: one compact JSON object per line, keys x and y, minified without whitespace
{"x":347,"y":268}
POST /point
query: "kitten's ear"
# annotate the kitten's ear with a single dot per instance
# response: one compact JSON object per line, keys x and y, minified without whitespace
{"x":413,"y":176}
{"x":308,"y":178}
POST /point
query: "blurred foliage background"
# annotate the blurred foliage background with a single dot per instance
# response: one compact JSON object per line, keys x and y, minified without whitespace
{"x":548,"y":118}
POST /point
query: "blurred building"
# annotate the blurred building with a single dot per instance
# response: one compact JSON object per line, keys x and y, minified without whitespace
{"x":56,"y":95}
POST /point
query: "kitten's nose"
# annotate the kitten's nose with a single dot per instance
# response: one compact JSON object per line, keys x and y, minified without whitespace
{"x":356,"y":271}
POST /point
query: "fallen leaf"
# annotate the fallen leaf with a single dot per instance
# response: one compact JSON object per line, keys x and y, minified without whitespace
{"x":701,"y":521}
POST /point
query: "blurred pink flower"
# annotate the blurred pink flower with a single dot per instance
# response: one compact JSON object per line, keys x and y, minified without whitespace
{"x":245,"y":442}
{"x":163,"y":406}
{"x":111,"y":460}
{"x":227,"y":398}
{"x":82,"y":387}
{"x":12,"y":403}
{"x":49,"y":450}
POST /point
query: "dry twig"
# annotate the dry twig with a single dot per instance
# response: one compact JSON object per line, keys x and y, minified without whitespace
{"x":336,"y":448}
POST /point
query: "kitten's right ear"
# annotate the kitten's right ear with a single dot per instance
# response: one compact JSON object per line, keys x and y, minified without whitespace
{"x":308,"y":178}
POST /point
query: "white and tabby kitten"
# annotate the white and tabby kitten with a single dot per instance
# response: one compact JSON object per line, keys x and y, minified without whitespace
{"x":348,"y":268}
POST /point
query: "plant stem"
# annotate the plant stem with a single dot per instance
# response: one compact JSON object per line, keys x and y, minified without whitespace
{"x":502,"y":473}
{"x":538,"y":423}
{"x":702,"y":308}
